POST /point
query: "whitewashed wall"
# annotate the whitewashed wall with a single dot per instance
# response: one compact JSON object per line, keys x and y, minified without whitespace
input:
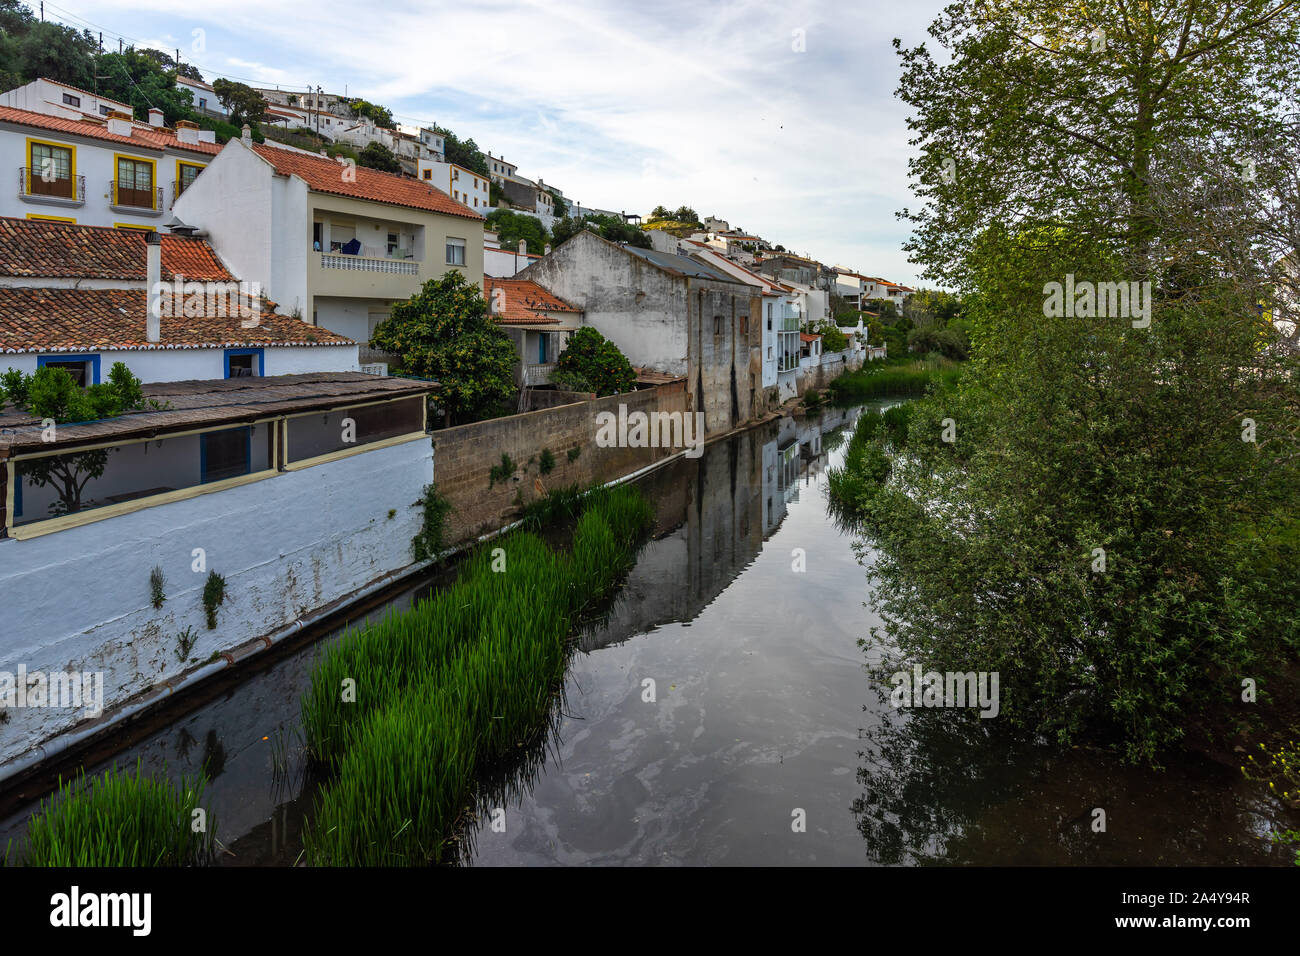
{"x":180,"y":365}
{"x":79,"y":599}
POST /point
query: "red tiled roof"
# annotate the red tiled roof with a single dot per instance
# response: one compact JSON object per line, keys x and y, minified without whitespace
{"x":142,"y":136}
{"x":525,"y":302}
{"x":805,"y":337}
{"x":45,"y":249}
{"x":324,"y":175}
{"x":91,"y":320}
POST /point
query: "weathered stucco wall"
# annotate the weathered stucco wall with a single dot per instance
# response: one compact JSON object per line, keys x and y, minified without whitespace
{"x":79,"y":599}
{"x":467,"y":453}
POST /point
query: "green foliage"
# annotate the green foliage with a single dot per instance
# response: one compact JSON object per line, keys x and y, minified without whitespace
{"x":120,"y":819}
{"x":875,"y":333}
{"x":883,"y":381}
{"x":592,"y":363}
{"x":245,"y":104}
{"x":185,"y":642}
{"x":156,"y":583}
{"x":52,"y":393}
{"x":951,"y":343}
{"x":512,"y":226}
{"x":866,"y":463}
{"x":443,"y":332}
{"x":375,"y":155}
{"x":502,"y":472}
{"x":1279,"y":768}
{"x":428,"y":542}
{"x":335,"y":150}
{"x":612,"y":228}
{"x":228,"y":131}
{"x":561,"y":205}
{"x":379,"y":115}
{"x":887,"y":309}
{"x":456,"y":683}
{"x":547,"y":463}
{"x":30,"y":49}
{"x":833,"y":340}
{"x":214,"y":595}
{"x":463,"y":152}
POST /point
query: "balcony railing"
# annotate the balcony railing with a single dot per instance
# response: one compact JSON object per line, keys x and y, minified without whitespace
{"x":130,"y":196}
{"x":538,"y":374}
{"x":400,"y":267}
{"x":36,"y":186}
{"x":178,"y":187}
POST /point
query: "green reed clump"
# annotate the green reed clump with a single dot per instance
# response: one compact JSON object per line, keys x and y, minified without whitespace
{"x":866,"y":464}
{"x":453,"y":684}
{"x":120,"y":819}
{"x":910,"y":380}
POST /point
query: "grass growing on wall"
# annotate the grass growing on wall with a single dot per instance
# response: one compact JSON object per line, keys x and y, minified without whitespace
{"x":453,"y":684}
{"x":120,"y":819}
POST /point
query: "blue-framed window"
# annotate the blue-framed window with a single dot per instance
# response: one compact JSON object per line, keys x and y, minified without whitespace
{"x":225,"y":454}
{"x":243,"y":363}
{"x":83,"y":368}
{"x":541,"y":348}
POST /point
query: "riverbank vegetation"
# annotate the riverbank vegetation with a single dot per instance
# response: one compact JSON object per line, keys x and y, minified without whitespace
{"x":1091,"y":509}
{"x":121,"y":819}
{"x":407,"y":711}
{"x":910,"y":378}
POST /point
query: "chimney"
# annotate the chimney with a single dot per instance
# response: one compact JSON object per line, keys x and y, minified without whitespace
{"x":546,"y":249}
{"x":155,"y":117}
{"x":246,"y":136}
{"x":153,"y":279}
{"x":187,"y":132}
{"x":119,"y":124}
{"x":523,"y":247}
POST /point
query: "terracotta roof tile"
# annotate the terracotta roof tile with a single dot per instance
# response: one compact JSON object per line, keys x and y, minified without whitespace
{"x":40,"y":248}
{"x":324,"y":175}
{"x":142,"y":135}
{"x":89,"y":320}
{"x":523,"y":302}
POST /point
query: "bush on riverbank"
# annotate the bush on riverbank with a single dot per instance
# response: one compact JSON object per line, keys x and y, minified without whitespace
{"x":452,"y":685}
{"x":866,"y":463}
{"x":120,"y":819}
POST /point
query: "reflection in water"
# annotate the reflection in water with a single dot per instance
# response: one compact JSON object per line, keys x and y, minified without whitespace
{"x":761,"y":709}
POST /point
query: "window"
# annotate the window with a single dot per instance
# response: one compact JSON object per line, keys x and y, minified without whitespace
{"x":455,"y":252}
{"x":392,"y":244}
{"x":105,"y":110}
{"x":185,"y":175}
{"x":428,"y":174}
{"x":243,"y":363}
{"x":326,"y":433}
{"x":744,"y":325}
{"x":203,"y":102}
{"x":317,"y":231}
{"x":134,"y":183}
{"x":455,"y":175}
{"x":717,"y":325}
{"x":84,"y":369}
{"x":71,"y":100}
{"x":225,"y":454}
{"x":50,"y":170}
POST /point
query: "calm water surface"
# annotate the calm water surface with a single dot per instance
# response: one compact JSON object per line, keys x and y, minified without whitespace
{"x":720,"y":714}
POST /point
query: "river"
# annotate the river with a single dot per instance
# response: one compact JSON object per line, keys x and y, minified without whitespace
{"x":720,"y":714}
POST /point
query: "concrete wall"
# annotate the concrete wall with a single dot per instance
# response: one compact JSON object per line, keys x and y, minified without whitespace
{"x":467,"y":453}
{"x":79,"y":599}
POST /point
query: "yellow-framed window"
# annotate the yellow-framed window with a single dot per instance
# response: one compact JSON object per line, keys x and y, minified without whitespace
{"x":132,"y":225}
{"x":36,"y":215}
{"x":51,"y":168}
{"x":134,"y":181}
{"x":185,"y":174}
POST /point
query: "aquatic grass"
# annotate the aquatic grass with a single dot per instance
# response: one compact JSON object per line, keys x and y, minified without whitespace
{"x":911,"y":380}
{"x":866,"y":464}
{"x":454,"y":685}
{"x":120,"y":819}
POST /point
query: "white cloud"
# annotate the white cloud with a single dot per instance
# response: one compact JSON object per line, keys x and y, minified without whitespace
{"x":621,"y":105}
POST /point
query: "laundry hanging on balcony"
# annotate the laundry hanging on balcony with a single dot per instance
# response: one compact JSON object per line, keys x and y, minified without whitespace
{"x":351,"y":248}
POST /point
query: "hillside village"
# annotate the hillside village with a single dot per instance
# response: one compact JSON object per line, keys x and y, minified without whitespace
{"x":225,"y":307}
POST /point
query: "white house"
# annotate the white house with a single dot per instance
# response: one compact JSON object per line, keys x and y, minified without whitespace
{"x":461,"y":184}
{"x":119,"y":172}
{"x":202,"y":97}
{"x":53,"y":98}
{"x":78,"y":298}
{"x":537,"y":321}
{"x":334,"y":243}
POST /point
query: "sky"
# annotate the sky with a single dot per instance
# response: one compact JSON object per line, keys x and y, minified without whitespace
{"x":779,"y":117}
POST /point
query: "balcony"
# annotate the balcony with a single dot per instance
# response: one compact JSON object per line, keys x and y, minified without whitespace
{"x":390,"y":266}
{"x":132,"y":199}
{"x":538,"y":374}
{"x":179,"y":187}
{"x":37,"y":187}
